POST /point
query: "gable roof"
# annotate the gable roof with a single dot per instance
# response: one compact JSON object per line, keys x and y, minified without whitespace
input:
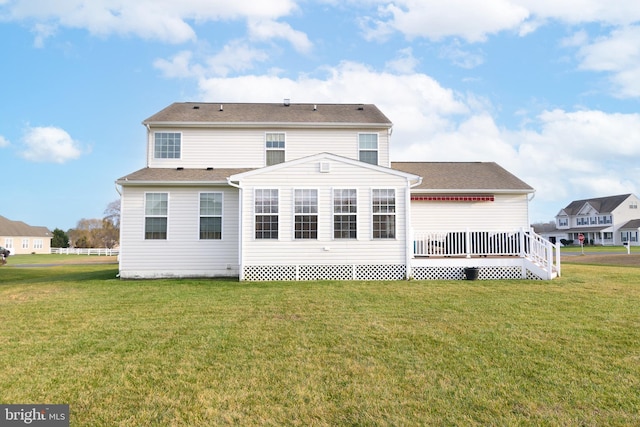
{"x":20,"y":229}
{"x":600,"y":204}
{"x":463,"y":177}
{"x":203,"y":113}
{"x":329,"y":156}
{"x":180,"y":176}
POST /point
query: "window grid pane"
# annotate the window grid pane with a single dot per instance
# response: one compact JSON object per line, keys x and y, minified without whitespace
{"x":384,"y":208}
{"x":155,"y":228}
{"x":266,"y":204}
{"x":344,"y":202}
{"x":306,"y":202}
{"x":167,"y":145}
{"x":210,"y":228}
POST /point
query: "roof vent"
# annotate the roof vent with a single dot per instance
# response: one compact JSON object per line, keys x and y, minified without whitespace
{"x":287,"y":102}
{"x":221,"y":107}
{"x":209,"y":168}
{"x":196,"y":107}
{"x":315,"y":107}
{"x":361,"y":107}
{"x":179,"y":168}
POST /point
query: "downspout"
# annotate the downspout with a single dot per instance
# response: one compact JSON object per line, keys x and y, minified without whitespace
{"x":148,"y":142}
{"x":240,"y":234}
{"x":408,"y":247}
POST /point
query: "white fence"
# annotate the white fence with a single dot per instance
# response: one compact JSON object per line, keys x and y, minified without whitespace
{"x":86,"y":251}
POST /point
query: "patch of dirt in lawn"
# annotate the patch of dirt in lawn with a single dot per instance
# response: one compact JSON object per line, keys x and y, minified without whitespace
{"x":632,"y":260}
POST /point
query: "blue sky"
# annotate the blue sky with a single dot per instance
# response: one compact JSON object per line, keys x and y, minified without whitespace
{"x":549,"y":90}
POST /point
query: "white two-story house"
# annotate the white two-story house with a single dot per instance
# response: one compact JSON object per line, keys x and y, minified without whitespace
{"x":611,"y":220}
{"x":305,"y":192}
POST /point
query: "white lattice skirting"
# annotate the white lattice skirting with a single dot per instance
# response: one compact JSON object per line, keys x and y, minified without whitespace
{"x":323,"y":272}
{"x":457,"y":273}
{"x":259,"y":273}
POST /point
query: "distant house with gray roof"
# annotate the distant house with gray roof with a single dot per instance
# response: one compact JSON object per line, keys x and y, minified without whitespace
{"x":291,"y":191}
{"x":610,"y":220}
{"x":22,"y":238}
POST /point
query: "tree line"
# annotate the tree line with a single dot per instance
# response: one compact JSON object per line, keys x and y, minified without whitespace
{"x":92,"y":233}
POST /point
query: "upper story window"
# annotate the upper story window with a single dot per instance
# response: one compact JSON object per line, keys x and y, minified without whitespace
{"x":383,"y":207}
{"x":156,"y":210}
{"x":274,"y":146}
{"x":210,"y":216}
{"x":167,"y":145}
{"x":266,"y":214}
{"x":563,"y":222}
{"x":306,"y":214}
{"x":345,"y":208}
{"x":633,"y":205}
{"x":368,"y":148}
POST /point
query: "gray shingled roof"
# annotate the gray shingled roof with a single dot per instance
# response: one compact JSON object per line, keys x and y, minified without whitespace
{"x":19,"y":229}
{"x":600,"y":204}
{"x":463,"y":176}
{"x":210,"y":113}
{"x":180,"y":175}
{"x":631,"y":225}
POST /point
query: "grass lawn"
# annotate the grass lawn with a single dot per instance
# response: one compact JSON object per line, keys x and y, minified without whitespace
{"x":211,"y":352}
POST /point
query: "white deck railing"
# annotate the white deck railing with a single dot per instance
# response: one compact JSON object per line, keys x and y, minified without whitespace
{"x":523,"y":243}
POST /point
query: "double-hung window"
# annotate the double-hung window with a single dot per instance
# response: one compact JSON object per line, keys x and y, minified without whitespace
{"x":384,"y":213}
{"x":266,"y":213}
{"x":25,"y":243}
{"x":345,"y":207}
{"x":274,"y":145}
{"x":37,"y":243}
{"x":156,"y":209}
{"x":306,"y":214}
{"x":210,"y":216}
{"x":368,"y":148}
{"x":166,"y":145}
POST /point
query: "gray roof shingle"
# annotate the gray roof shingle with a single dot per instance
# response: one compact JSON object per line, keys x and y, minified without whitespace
{"x":600,"y":204}
{"x":463,"y":176}
{"x":19,"y":229}
{"x":175,"y":175}
{"x":237,"y":113}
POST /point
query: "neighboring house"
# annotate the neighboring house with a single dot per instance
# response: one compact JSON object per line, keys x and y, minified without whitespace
{"x":21,"y":238}
{"x":304,"y":192}
{"x":611,"y":220}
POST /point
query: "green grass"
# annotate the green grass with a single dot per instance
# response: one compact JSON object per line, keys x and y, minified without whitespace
{"x":211,"y":352}
{"x":600,"y":249}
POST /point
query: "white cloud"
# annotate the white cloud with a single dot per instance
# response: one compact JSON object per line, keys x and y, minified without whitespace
{"x":268,"y":30}
{"x":3,"y":142}
{"x":469,"y":19}
{"x":49,"y":144}
{"x":619,"y":55}
{"x":165,"y":20}
{"x":404,"y":63}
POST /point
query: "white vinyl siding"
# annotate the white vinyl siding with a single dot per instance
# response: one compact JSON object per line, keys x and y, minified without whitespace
{"x":324,"y":250}
{"x":506,"y":212}
{"x":245,"y":148}
{"x":185,"y":254}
